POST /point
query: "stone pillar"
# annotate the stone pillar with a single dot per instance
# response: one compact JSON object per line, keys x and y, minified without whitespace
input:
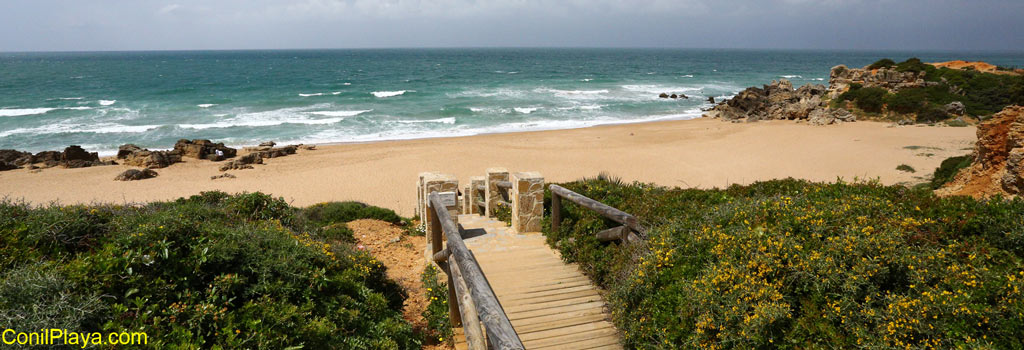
{"x":475,"y":194}
{"x":421,"y":198}
{"x":492,"y":194}
{"x":441,"y":183}
{"x":527,"y":201}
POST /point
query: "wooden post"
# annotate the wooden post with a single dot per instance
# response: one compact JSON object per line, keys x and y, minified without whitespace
{"x":471,"y":326}
{"x":556,"y":212}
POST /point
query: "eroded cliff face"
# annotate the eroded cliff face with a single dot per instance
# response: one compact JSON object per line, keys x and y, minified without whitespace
{"x":998,"y":166}
{"x":841,"y":77}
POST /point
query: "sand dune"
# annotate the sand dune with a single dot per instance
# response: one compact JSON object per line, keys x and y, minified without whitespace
{"x":695,"y":153}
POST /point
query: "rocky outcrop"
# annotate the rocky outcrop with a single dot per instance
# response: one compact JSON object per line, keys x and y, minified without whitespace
{"x":998,"y":167}
{"x":137,"y":156}
{"x":243,"y":162}
{"x":204,"y":149}
{"x":136,"y":174}
{"x":955,"y":108}
{"x":779,"y":100}
{"x":841,"y":77}
{"x":76,"y":157}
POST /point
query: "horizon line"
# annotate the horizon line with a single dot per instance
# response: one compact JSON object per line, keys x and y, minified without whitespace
{"x":1002,"y":51}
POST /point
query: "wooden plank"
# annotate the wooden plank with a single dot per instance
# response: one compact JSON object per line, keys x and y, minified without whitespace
{"x":607,"y":342}
{"x":566,"y":339}
{"x":569,"y":330}
{"x":605,"y":210}
{"x":552,"y":304}
{"x":541,"y":294}
{"x":557,"y":317}
{"x":555,"y":324}
{"x":500,"y":333}
{"x":551,"y":311}
{"x":613,"y":234}
{"x":507,"y":303}
{"x":556,"y":213}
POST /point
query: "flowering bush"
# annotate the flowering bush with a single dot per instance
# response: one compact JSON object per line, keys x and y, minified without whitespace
{"x":793,"y":264}
{"x":210,"y":271}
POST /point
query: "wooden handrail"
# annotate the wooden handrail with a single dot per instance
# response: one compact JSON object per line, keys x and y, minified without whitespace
{"x":628,"y":221}
{"x":500,"y":333}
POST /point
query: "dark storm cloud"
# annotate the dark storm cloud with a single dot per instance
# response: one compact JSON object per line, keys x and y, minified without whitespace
{"x":249,"y":24}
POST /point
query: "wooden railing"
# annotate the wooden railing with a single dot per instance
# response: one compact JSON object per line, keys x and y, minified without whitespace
{"x":630,"y":230}
{"x":471,"y":301}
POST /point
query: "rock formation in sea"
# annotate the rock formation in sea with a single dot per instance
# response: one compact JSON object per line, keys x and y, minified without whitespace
{"x":998,"y":166}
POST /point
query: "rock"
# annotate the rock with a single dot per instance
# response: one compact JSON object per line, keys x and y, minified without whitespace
{"x":204,"y":149}
{"x":777,"y":100}
{"x":136,"y":156}
{"x":673,"y":96}
{"x":955,"y":108}
{"x":222,"y":176}
{"x":268,"y":144}
{"x":663,"y":95}
{"x":905,"y":121}
{"x":308,"y":147}
{"x":76,"y":157}
{"x":4,"y":165}
{"x":279,"y":152}
{"x":136,"y":174}
{"x":998,"y":167}
{"x":46,"y":157}
{"x":711,"y":99}
{"x":243,"y":162}
{"x":841,"y":77}
{"x":683,"y":96}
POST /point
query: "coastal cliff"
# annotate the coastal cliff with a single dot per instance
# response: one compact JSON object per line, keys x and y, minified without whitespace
{"x":998,"y":166}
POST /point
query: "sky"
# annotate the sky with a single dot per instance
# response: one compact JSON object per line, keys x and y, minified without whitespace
{"x":104,"y":25}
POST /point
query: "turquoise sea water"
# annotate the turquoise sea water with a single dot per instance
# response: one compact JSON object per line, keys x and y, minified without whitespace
{"x":102,"y":100}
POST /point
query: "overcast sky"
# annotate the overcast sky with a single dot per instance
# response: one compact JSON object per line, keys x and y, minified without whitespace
{"x":87,"y":25}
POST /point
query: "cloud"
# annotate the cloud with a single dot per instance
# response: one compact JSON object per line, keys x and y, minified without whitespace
{"x":168,"y":9}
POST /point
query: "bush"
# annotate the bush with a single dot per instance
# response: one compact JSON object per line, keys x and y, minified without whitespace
{"x":439,"y":327}
{"x":948,"y":170}
{"x":210,"y":271}
{"x":932,"y":114}
{"x":338,"y":212}
{"x":914,"y":65}
{"x":882,"y":63}
{"x":906,"y":168}
{"x":793,"y":264}
{"x":868,"y":99}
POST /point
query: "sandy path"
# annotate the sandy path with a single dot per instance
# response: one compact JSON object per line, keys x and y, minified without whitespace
{"x":695,"y":153}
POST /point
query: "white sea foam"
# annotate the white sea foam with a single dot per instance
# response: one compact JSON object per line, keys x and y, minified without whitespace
{"x":77,"y":108}
{"x":687,"y":76}
{"x":107,"y":102}
{"x":341,"y":113}
{"x":818,"y":79}
{"x":206,"y":105}
{"x":448,"y":120}
{"x":525,"y":110}
{"x":294,"y":115}
{"x":16,"y":112}
{"x":582,"y":108}
{"x":383,"y":94}
{"x":69,"y":98}
{"x":790,"y":76}
{"x":61,"y":128}
{"x":336,"y":93}
{"x":586,"y":79}
{"x":313,"y":94}
{"x":347,"y":84}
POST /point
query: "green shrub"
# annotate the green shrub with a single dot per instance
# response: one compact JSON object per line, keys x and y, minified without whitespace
{"x":793,"y":264}
{"x":906,"y":168}
{"x":932,"y":114}
{"x":882,"y":63}
{"x":503,"y":213}
{"x":439,"y":327}
{"x":948,"y":170}
{"x":336,"y":212}
{"x":211,"y":271}
{"x":868,"y":99}
{"x":914,"y":65}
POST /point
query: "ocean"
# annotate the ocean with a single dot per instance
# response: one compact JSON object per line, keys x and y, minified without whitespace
{"x":101,"y":100}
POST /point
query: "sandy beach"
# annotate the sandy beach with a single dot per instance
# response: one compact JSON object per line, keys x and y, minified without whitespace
{"x":700,"y":153}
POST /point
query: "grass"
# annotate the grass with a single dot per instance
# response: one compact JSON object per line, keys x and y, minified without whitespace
{"x":210,"y":271}
{"x":906,"y":168}
{"x":948,"y":169}
{"x":794,"y":264}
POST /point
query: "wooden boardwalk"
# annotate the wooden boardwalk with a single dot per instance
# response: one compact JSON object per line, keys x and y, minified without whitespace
{"x":551,"y":304}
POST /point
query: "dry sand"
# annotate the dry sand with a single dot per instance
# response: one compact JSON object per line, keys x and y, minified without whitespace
{"x":701,"y":153}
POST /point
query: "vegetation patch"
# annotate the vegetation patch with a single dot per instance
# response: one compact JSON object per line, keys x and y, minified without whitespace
{"x":210,"y":271}
{"x":906,"y":168}
{"x":948,"y":170}
{"x":794,"y":264}
{"x":439,"y":327}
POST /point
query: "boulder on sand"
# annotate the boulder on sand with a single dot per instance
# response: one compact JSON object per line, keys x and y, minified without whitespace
{"x":136,"y":174}
{"x":76,"y":157}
